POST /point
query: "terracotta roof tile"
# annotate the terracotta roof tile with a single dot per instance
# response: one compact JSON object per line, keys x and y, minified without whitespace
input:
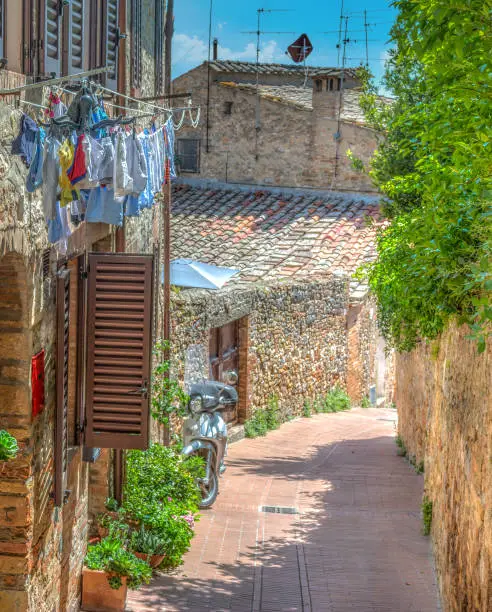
{"x":270,"y":235}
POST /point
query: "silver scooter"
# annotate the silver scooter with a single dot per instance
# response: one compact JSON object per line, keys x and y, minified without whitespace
{"x":205,"y":432}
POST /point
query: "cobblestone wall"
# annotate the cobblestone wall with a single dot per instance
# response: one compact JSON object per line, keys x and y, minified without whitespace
{"x":297,"y":342}
{"x":445,"y":420}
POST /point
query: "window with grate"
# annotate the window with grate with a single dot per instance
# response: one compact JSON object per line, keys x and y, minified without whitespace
{"x":112,"y":42}
{"x":61,"y":414}
{"x":228,"y":108}
{"x":188,"y":155}
{"x":52,"y":36}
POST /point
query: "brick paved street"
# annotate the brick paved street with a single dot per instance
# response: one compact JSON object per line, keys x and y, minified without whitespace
{"x":356,"y":544}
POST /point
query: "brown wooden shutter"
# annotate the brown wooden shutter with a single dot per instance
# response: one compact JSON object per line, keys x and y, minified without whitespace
{"x":112,"y":42}
{"x":61,"y":414}
{"x":119,"y":339}
{"x":52,"y":20}
{"x":159,"y":46}
{"x":76,"y":62}
{"x":136,"y":43}
{"x":2,"y":28}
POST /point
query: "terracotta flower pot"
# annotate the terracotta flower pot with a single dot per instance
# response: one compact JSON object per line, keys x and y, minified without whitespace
{"x":152,"y":560}
{"x":98,"y":596}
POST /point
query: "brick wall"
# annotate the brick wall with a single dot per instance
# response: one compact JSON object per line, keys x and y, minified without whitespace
{"x":16,"y":498}
{"x":445,"y":420}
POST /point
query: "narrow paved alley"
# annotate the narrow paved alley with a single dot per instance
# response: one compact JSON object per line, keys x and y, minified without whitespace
{"x":354,"y":544}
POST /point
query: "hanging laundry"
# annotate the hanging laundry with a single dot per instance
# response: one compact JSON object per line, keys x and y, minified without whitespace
{"x":146,"y":198}
{"x":103,"y":207}
{"x":59,"y":229}
{"x":169,"y":128}
{"x":122,"y":181}
{"x":94,"y":153}
{"x":25,"y":142}
{"x":132,"y":206}
{"x":35,"y":174}
{"x":51,"y":174}
{"x":137,"y":165}
{"x":106,"y":167}
{"x":79,"y":168}
{"x":69,"y":193}
{"x":55,"y":108}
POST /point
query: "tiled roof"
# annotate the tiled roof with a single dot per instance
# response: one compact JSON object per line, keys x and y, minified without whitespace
{"x":302,"y":97}
{"x":278,"y":69}
{"x":273,"y":236}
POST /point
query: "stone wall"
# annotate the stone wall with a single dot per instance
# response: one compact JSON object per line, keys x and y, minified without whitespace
{"x":298,"y":344}
{"x":445,"y":420}
{"x":296,"y":145}
{"x":361,"y":339}
{"x":294,"y":341}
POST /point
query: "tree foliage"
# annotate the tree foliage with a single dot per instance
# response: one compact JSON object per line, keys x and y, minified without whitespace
{"x":433,"y":167}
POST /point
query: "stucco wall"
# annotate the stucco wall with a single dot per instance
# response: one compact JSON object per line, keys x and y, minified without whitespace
{"x":445,"y":419}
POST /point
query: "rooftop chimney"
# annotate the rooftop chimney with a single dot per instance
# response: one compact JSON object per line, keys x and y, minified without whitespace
{"x":216,"y":49}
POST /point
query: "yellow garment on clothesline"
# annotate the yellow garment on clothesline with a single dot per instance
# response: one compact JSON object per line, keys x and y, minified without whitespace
{"x":69,"y":193}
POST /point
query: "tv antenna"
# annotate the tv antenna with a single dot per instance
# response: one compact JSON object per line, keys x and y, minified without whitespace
{"x":260,"y":12}
{"x":366,"y":26}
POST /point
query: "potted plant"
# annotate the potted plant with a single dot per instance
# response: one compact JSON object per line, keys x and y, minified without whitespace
{"x":109,"y":569}
{"x":112,"y":522}
{"x":8,"y":446}
{"x":149,"y":546}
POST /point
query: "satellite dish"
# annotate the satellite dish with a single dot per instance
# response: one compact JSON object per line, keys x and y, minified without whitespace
{"x":300,"y":49}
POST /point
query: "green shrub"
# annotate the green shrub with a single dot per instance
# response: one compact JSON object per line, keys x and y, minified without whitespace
{"x":426,"y":515}
{"x":307,"y":409}
{"x":8,"y":446}
{"x":147,"y":542}
{"x":110,"y":555}
{"x":273,"y":413}
{"x":257,"y":425}
{"x":162,"y":495}
{"x":168,"y":398}
{"x":335,"y":400}
{"x":365,"y":402}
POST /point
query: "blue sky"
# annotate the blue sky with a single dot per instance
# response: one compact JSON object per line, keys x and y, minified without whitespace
{"x":319,"y":19}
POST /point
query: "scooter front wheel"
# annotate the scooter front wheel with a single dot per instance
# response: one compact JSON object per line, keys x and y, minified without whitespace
{"x":209,"y":491}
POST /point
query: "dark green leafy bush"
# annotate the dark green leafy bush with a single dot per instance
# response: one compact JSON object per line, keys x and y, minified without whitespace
{"x":110,"y":556}
{"x":162,"y":495}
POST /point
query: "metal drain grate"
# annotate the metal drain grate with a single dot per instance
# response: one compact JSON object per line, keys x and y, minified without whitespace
{"x":279,"y":509}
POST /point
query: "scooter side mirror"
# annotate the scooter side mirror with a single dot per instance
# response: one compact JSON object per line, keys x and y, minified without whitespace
{"x":195,"y":404}
{"x":230,"y":377}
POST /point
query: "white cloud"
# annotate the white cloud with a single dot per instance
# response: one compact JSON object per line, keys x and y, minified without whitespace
{"x":191,"y":50}
{"x":221,"y":25}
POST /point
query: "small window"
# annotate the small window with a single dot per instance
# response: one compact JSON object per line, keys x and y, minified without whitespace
{"x":339,"y":84}
{"x":329,"y":85}
{"x":189,"y":155}
{"x":319,"y":85}
{"x":228,"y":108}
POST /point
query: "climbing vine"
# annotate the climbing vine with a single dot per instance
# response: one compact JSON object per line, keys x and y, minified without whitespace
{"x":433,"y":167}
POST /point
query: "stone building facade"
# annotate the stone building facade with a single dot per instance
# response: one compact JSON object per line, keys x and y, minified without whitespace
{"x":302,"y":324}
{"x":42,"y":543}
{"x":445,"y":421}
{"x":292,"y":131}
